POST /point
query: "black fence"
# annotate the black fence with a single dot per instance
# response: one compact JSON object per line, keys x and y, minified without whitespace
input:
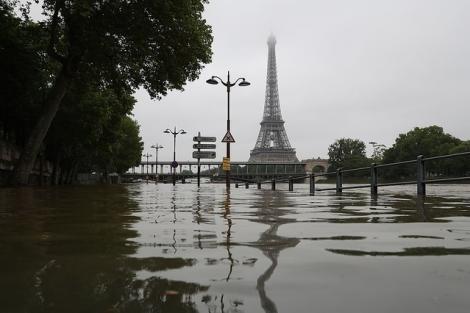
{"x":419,"y":165}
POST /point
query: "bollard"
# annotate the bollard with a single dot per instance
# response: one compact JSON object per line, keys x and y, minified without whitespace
{"x":421,"y":176}
{"x":273,"y":184}
{"x":312,"y":184}
{"x":247,"y":185}
{"x":291,"y":184}
{"x":236,"y":185}
{"x":259,"y":185}
{"x":339,"y":181}
{"x":373,"y":179}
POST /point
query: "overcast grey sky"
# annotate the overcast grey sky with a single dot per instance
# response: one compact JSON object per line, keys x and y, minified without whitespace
{"x":367,"y":69}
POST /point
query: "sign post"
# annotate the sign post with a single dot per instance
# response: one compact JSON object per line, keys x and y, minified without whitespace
{"x":226,"y":164}
{"x":202,"y":154}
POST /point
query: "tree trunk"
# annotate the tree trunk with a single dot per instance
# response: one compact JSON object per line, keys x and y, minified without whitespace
{"x":28,"y":156}
{"x":56,"y":169}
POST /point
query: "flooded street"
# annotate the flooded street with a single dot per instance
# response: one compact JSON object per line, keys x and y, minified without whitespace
{"x":164,"y":248}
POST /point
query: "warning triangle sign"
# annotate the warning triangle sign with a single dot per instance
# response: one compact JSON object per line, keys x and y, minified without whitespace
{"x":228,"y":137}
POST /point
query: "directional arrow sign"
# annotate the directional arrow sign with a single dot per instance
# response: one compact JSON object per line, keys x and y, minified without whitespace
{"x":204,"y":146}
{"x":204,"y":139}
{"x":204,"y":154}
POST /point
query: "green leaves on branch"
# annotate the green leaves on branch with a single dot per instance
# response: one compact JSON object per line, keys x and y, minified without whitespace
{"x":347,"y":153}
{"x":110,"y":46}
{"x":127,"y":44}
{"x":427,"y":141}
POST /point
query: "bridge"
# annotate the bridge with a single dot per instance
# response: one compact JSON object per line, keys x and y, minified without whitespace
{"x":239,"y":170}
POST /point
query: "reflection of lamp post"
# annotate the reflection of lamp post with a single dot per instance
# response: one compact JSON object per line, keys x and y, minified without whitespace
{"x":228,"y":84}
{"x":147,"y":156}
{"x":174,"y":164}
{"x":156,"y":147}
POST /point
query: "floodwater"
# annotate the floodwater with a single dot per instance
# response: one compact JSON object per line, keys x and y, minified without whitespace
{"x":164,"y":248}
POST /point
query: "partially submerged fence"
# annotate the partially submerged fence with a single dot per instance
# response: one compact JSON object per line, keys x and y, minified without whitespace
{"x":421,"y":178}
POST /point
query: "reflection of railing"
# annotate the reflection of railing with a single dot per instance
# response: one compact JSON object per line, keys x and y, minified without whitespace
{"x":421,"y":178}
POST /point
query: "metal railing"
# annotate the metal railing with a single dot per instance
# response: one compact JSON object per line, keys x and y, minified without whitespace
{"x":421,"y":178}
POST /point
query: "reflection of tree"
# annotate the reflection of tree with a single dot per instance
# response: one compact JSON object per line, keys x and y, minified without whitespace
{"x":67,"y":250}
{"x":271,"y":244}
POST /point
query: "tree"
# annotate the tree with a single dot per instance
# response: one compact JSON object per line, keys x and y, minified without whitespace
{"x":93,"y":133}
{"x":378,"y":153}
{"x":122,"y":45}
{"x":25,"y":75}
{"x":347,"y":153}
{"x":427,"y":141}
{"x":128,"y":147}
{"x":459,"y":166}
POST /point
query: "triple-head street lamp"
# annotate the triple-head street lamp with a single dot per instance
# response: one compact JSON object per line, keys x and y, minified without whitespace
{"x":156,"y":147}
{"x":242,"y":82}
{"x":147,"y":156}
{"x":174,"y":164}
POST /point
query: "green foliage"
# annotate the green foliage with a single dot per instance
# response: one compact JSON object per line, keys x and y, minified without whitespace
{"x":459,"y":166}
{"x":347,"y":153}
{"x":93,"y":131}
{"x":128,"y":147}
{"x":25,"y":74}
{"x":427,"y":141}
{"x":126,"y":44}
{"x":81,"y":64}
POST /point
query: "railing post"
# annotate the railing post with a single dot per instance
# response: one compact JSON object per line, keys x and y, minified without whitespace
{"x":421,"y":176}
{"x":259,"y":185}
{"x":273,"y":184}
{"x":312,"y":184}
{"x":339,"y":180}
{"x":291,"y":184}
{"x":373,"y":179}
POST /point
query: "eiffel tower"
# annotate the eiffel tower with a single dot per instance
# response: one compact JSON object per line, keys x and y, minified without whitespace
{"x":272,"y":144}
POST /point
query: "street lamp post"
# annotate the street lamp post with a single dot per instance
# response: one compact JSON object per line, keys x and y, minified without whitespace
{"x":156,"y":147}
{"x":228,"y":84}
{"x":147,"y":156}
{"x":174,"y":165}
{"x":379,"y":149}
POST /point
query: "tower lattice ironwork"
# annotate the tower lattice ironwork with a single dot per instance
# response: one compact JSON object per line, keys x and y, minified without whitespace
{"x":272,"y":144}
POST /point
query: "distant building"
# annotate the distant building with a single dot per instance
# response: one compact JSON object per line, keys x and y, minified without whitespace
{"x":316,"y":165}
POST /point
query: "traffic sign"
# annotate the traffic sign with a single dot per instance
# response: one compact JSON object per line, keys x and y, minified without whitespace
{"x":204,"y":146}
{"x":204,"y":139}
{"x":204,"y":154}
{"x":174,"y":164}
{"x":228,"y":137}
